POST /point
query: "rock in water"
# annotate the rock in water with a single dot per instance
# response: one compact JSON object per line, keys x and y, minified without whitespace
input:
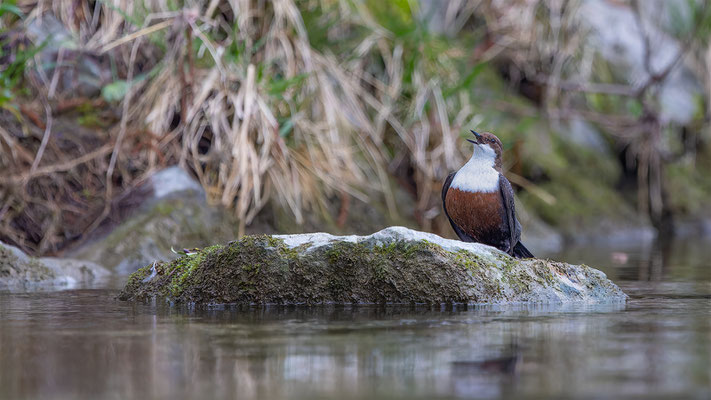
{"x":174,"y":213}
{"x":20,"y":272}
{"x":394,"y":266}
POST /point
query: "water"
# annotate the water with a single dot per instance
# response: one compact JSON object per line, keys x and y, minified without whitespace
{"x":85,"y":344}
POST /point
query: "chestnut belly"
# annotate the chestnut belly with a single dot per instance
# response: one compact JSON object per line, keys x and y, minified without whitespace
{"x":480,"y":215}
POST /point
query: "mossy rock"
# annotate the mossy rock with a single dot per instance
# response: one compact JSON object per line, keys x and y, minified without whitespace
{"x":394,"y":266}
{"x":169,"y":210}
{"x":17,"y":268}
{"x":20,"y":272}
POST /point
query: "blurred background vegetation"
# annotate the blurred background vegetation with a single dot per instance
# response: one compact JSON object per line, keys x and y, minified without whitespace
{"x":325,"y":110}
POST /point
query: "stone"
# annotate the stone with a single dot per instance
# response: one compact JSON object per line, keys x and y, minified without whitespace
{"x":171,"y":213}
{"x":396,"y":265}
{"x":83,"y":71}
{"x":617,"y":38}
{"x":19,"y":272}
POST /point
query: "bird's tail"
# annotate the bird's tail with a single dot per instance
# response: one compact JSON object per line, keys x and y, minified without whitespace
{"x":520,"y":251}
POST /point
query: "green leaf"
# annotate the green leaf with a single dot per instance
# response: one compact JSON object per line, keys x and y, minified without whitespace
{"x":10,"y":8}
{"x":286,"y":127}
{"x":634,"y":107}
{"x":393,"y":15}
{"x":277,"y":87}
{"x":467,"y":81}
{"x":115,"y":91}
{"x":5,"y":96}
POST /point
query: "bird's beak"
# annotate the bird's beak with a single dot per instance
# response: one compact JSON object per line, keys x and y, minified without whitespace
{"x":478,"y":138}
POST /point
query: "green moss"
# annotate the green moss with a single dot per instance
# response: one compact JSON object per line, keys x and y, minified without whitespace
{"x":346,"y":253}
{"x":212,"y":249}
{"x":182,"y":269}
{"x":422,"y":245}
{"x":178,"y":271}
{"x":520,"y":281}
{"x":136,"y":282}
{"x":407,"y":249}
{"x":263,"y":270}
{"x":164,"y":208}
{"x":274,"y":242}
{"x":467,"y":259}
{"x":386,"y":250}
{"x":689,"y":188}
{"x":508,"y":263}
{"x":380,"y":269}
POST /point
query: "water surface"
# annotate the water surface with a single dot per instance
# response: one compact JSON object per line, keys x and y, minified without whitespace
{"x":85,"y":344}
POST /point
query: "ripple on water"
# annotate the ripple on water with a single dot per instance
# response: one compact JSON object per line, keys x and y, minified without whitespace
{"x":86,"y":344}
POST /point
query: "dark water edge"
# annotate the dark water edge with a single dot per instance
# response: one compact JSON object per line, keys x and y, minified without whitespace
{"x":86,"y":344}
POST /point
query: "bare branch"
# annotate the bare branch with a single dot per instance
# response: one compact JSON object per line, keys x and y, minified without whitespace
{"x":61,"y":167}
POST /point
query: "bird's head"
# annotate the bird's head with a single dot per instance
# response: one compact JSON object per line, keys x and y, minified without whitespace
{"x":486,"y":142}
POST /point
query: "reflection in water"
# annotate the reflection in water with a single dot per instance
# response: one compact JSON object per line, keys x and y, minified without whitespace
{"x":664,"y":260}
{"x":86,"y":344}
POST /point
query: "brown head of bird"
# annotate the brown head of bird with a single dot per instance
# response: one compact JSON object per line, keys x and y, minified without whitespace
{"x":489,"y":139}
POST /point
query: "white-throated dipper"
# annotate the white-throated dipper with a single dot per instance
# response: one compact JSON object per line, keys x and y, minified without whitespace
{"x":479,"y":200}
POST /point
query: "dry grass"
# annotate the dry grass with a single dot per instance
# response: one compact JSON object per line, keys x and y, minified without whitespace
{"x":239,"y":95}
{"x":261,"y":106}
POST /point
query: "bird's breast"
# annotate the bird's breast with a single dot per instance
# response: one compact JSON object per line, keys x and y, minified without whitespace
{"x":477,"y":175}
{"x":479,"y":214}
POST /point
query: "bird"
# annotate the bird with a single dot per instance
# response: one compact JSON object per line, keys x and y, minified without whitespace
{"x":478,"y":200}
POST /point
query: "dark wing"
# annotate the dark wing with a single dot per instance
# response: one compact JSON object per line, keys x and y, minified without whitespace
{"x":462,"y":236}
{"x":507,"y":194}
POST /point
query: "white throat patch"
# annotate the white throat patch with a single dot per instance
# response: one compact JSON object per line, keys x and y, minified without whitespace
{"x":478,"y":174}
